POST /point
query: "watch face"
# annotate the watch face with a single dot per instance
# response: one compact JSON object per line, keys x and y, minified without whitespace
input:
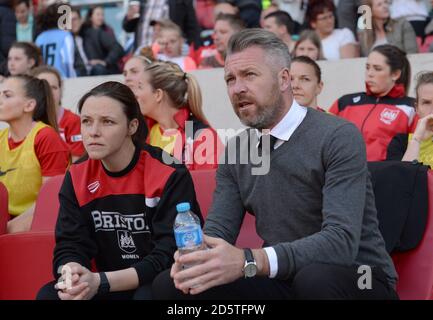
{"x":250,"y":270}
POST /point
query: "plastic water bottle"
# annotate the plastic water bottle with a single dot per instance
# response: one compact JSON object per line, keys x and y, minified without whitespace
{"x":187,"y":229}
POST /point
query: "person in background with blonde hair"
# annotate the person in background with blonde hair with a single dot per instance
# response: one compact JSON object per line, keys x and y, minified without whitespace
{"x":171,"y":99}
{"x":418,"y":145}
{"x":385,"y":30}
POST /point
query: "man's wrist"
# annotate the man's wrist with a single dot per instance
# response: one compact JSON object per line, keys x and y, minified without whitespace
{"x":262,"y":262}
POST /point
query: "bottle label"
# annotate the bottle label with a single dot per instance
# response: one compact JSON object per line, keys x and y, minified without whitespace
{"x":188,"y":237}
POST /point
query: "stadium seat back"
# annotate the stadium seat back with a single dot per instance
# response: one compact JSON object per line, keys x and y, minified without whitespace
{"x":26,"y":264}
{"x":205,"y":183}
{"x":4,"y":212}
{"x":47,"y":205}
{"x":415,"y":267}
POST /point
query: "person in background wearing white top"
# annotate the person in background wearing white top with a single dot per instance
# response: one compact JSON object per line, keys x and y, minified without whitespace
{"x":414,"y":11}
{"x":296,"y":9}
{"x":170,"y":41}
{"x":386,"y":30}
{"x":336,"y":43}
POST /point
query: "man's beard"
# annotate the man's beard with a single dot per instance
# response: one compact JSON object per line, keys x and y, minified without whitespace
{"x":266,"y":115}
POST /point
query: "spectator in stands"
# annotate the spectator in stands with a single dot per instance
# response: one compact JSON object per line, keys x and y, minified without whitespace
{"x":23,"y":57}
{"x":25,"y":26}
{"x":336,"y":43}
{"x":171,"y":41}
{"x":138,"y":19}
{"x":68,"y":123}
{"x":413,"y":11}
{"x":225,"y":26}
{"x":418,"y":145}
{"x":225,"y":8}
{"x":133,"y":72}
{"x":386,"y":30}
{"x":281,"y":24}
{"x":347,"y":14}
{"x":100,"y":45}
{"x":81,"y":62}
{"x":249,"y":11}
{"x":296,"y":9}
{"x":31,"y":150}
{"x":125,"y":222}
{"x":384,"y":110}
{"x":272,"y":8}
{"x":306,"y":81}
{"x":7,"y":34}
{"x":171,"y":100}
{"x":314,"y":207}
{"x":309,"y":45}
{"x":57,"y":45}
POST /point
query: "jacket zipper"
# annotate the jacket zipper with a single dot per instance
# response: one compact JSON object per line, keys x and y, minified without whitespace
{"x":369,"y":113}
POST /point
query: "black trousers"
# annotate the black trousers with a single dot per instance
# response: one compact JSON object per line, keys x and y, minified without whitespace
{"x":316,"y":282}
{"x":48,"y":292}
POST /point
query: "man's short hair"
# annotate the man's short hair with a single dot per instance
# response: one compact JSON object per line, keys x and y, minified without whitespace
{"x":235,"y":22}
{"x":282,"y":18}
{"x":266,"y":40}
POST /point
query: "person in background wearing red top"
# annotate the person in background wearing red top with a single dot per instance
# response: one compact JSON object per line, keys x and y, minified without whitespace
{"x":225,"y":26}
{"x":31,"y":150}
{"x":171,"y":99}
{"x":384,"y":110}
{"x":67,"y":121}
{"x":117,"y":207}
{"x":306,"y":80}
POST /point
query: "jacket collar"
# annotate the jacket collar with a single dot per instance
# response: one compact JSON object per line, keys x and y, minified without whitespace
{"x":398,"y":91}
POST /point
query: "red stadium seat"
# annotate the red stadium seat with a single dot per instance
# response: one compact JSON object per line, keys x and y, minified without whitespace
{"x":26,"y":264}
{"x":4,"y":212}
{"x":415,"y":267}
{"x":47,"y":205}
{"x":204,"y":183}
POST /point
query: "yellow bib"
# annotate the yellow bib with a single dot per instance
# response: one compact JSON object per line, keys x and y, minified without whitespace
{"x":164,"y":141}
{"x":425,"y":151}
{"x":20,"y":170}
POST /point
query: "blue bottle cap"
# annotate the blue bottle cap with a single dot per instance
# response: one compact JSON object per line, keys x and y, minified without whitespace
{"x":183,"y":206}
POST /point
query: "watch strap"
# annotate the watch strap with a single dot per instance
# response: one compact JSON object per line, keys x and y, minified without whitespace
{"x":249,"y":257}
{"x":104,"y":285}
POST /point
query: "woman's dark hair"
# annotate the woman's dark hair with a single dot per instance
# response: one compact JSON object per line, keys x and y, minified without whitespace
{"x":16,"y":3}
{"x":121,"y":93}
{"x":310,"y":62}
{"x":87,"y":21}
{"x":31,"y":51}
{"x":40,"y":91}
{"x":397,"y":60}
{"x":48,"y":19}
{"x":316,"y":7}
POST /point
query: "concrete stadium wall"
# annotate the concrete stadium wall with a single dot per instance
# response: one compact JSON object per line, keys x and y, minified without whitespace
{"x":340,"y":77}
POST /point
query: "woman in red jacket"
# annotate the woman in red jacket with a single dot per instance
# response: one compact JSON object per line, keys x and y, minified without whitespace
{"x":384,"y":110}
{"x":171,"y":101}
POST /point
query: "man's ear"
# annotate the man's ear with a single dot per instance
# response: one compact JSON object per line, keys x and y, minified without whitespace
{"x":284,"y":79}
{"x":30,"y":105}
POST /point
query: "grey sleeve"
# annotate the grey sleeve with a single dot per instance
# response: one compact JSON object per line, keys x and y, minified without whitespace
{"x":344,"y":193}
{"x":347,"y":13}
{"x":409,"y":38}
{"x":227,"y":212}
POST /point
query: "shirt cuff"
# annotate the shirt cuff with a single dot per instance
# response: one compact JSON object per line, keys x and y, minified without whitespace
{"x":273,"y":261}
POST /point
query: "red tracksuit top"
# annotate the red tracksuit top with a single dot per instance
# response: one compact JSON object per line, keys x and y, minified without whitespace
{"x":378,"y":118}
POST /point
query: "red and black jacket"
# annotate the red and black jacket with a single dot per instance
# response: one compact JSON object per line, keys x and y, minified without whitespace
{"x":378,"y":118}
{"x":123,"y":219}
